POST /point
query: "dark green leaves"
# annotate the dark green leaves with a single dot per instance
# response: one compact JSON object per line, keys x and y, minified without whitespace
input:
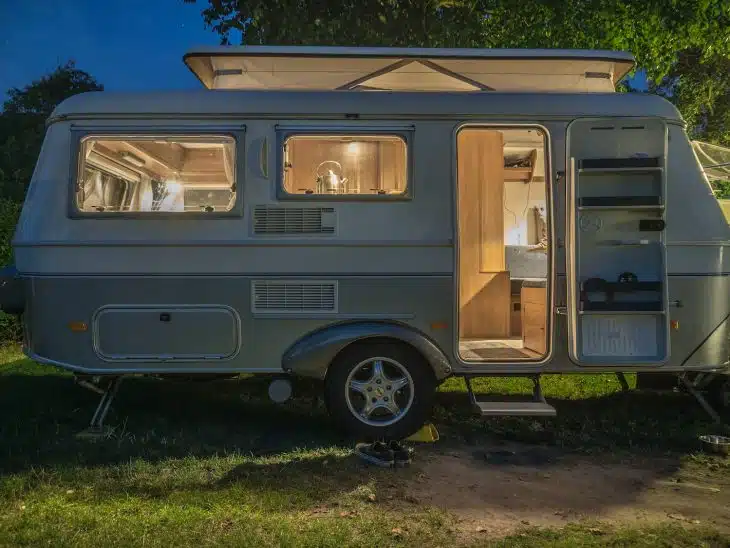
{"x":22,"y":124}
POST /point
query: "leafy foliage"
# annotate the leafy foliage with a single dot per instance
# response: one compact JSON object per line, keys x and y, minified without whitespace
{"x":700,"y":85}
{"x":22,"y":123}
{"x":348,"y":22}
{"x":10,"y":326}
{"x":722,"y":189}
{"x":9,"y":212}
{"x":43,"y":95}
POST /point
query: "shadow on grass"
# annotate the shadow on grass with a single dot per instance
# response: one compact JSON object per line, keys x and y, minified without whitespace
{"x":633,"y":421}
{"x":41,"y":414}
{"x":155,"y":420}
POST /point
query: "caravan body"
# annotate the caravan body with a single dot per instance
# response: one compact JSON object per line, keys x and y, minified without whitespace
{"x":380,"y":219}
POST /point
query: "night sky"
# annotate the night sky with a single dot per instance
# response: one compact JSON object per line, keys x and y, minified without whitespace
{"x":124,"y":44}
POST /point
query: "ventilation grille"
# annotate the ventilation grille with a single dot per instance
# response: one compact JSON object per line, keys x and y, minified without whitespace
{"x":294,"y":296}
{"x":293,"y":220}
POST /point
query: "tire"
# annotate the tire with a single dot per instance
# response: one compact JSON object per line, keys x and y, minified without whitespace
{"x":400,"y":363}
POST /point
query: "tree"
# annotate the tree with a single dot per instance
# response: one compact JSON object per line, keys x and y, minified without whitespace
{"x":700,"y":86}
{"x":347,"y":22}
{"x":22,"y":123}
{"x":44,"y":94}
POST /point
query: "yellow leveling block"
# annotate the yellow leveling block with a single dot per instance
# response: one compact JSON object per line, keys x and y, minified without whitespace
{"x":427,"y":434}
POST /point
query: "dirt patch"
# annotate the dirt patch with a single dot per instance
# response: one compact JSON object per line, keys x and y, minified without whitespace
{"x":497,"y":490}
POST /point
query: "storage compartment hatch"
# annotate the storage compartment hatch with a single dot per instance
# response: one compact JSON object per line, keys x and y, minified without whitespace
{"x":158,"y":333}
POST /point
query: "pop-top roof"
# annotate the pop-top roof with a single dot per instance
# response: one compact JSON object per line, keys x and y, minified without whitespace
{"x":408,"y":69}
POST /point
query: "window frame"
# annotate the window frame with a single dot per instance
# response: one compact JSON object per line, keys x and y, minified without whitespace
{"x":405,"y":133}
{"x":79,"y":135}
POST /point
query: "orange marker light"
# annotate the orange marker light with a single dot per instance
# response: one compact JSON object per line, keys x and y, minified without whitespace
{"x":439,"y":325}
{"x":674,"y":324}
{"x":78,"y":326}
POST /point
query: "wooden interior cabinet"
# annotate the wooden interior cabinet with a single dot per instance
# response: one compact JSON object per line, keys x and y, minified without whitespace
{"x":515,"y":316}
{"x":484,"y":284}
{"x":534,"y":319}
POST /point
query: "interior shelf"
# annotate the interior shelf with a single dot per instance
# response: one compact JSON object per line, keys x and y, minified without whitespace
{"x":621,"y":287}
{"x":623,"y":306}
{"x":620,"y":202}
{"x":620,"y":243}
{"x":622,"y":208}
{"x":620,"y":163}
{"x":621,"y":312}
{"x":611,"y":170}
{"x":609,"y":291}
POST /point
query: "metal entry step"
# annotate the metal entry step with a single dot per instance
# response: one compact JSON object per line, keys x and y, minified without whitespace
{"x":537,"y":407}
{"x":514,"y":409}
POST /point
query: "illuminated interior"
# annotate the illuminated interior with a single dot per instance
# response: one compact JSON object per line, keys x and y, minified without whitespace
{"x":345,"y":164}
{"x":137,"y":174}
{"x":503,"y":244}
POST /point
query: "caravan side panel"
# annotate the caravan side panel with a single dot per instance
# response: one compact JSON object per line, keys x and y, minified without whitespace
{"x":142,"y":294}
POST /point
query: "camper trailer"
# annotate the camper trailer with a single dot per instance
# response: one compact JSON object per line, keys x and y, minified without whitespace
{"x":379,"y":219}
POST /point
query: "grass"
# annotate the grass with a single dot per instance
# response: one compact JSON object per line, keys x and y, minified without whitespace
{"x":194,"y":464}
{"x":669,"y":536}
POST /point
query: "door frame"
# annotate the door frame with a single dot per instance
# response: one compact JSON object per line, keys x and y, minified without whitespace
{"x":550,"y":207}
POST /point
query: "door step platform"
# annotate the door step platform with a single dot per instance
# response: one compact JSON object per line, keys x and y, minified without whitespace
{"x":535,"y":407}
{"x":514,"y":409}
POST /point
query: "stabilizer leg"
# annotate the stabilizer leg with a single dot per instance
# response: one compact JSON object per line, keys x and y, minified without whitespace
{"x":96,"y":426}
{"x":690,"y":386}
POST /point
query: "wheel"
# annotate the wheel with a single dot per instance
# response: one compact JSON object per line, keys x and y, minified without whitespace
{"x":380,"y":390}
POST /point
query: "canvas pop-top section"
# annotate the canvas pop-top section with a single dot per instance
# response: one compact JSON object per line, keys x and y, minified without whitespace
{"x":408,"y":69}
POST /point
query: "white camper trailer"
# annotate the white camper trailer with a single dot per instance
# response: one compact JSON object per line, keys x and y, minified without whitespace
{"x":380,"y":219}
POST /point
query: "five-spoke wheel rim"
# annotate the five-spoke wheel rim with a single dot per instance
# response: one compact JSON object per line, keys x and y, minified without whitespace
{"x":379,"y":391}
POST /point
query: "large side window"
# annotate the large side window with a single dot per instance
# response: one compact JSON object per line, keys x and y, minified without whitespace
{"x":345,"y":165}
{"x":156,"y":174}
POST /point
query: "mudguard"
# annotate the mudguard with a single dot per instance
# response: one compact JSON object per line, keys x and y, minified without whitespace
{"x":311,"y":355}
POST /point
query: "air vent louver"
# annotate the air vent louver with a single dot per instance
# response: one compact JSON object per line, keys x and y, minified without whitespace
{"x":278,"y":220}
{"x":294,"y":296}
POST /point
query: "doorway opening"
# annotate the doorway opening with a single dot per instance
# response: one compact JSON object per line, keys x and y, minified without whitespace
{"x":504,"y":244}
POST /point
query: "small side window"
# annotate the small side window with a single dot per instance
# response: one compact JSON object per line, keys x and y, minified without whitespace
{"x":346,"y":165}
{"x":156,"y":174}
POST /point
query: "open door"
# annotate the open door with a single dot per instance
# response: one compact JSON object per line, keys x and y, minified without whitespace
{"x":503,"y":244}
{"x":616,"y":254}
{"x":484,"y":284}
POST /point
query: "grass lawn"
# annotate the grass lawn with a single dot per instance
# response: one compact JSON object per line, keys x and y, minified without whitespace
{"x":192,"y":464}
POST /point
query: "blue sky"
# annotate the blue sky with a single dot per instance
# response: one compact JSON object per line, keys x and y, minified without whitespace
{"x":124,"y":44}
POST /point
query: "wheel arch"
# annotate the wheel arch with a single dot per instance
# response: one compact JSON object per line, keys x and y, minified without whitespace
{"x":312,"y":355}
